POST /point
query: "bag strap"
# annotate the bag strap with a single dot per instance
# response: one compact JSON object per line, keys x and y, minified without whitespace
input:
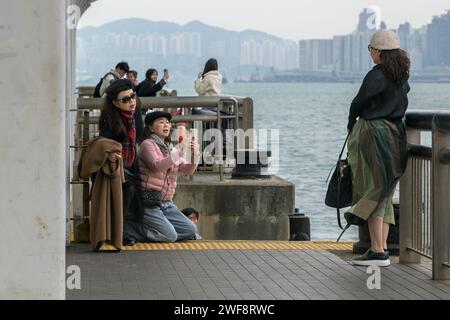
{"x":340,"y":157}
{"x":345,"y":229}
{"x":338,"y":193}
{"x":110,"y":73}
{"x":343,"y":147}
{"x":338,"y":211}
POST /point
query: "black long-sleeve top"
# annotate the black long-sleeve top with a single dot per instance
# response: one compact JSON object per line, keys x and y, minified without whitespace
{"x":148,"y":88}
{"x":378,"y":98}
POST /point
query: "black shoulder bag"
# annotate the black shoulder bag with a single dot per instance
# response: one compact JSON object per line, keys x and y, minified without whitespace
{"x":339,"y":192}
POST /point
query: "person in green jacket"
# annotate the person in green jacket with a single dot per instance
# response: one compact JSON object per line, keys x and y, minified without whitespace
{"x":377,"y":146}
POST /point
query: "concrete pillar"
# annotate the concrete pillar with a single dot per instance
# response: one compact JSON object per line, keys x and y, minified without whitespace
{"x":33,"y":154}
{"x":441,"y":196}
{"x":70,"y":42}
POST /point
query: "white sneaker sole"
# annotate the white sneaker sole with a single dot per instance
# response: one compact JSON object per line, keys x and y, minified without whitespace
{"x":368,"y":263}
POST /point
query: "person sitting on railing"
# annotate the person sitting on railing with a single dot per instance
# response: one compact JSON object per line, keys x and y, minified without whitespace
{"x":377,"y":146}
{"x":209,"y":82}
{"x":149,"y":87}
{"x":159,"y":164}
{"x":121,"y":121}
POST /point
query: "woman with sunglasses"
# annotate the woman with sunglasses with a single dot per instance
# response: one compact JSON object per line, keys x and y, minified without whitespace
{"x":121,"y":120}
{"x":377,"y":147}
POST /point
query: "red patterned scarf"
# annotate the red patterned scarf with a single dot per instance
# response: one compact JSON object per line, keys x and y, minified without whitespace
{"x":129,"y":144}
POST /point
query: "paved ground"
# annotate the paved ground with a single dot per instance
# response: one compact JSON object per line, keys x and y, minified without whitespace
{"x":242,"y":275}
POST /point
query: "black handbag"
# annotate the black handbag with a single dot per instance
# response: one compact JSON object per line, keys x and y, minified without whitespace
{"x":340,"y":193}
{"x":151,"y":198}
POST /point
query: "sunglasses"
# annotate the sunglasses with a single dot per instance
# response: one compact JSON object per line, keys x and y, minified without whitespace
{"x":127,"y":99}
{"x":370,"y":48}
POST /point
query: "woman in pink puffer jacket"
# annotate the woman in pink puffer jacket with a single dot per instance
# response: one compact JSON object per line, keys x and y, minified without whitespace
{"x":159,"y":165}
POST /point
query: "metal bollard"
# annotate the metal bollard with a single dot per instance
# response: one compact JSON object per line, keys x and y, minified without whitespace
{"x":299,"y":227}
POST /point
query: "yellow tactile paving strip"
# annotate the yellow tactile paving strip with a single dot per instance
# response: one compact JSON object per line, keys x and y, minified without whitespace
{"x":237,"y":245}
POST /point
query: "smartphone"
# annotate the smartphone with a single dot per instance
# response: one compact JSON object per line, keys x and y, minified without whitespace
{"x":165,"y":71}
{"x":194,"y":134}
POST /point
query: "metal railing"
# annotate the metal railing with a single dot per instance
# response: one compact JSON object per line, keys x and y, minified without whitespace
{"x":421,"y":224}
{"x":238,"y":113}
{"x":425,"y":193}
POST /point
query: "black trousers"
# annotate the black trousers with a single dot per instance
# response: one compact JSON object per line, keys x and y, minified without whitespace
{"x":133,"y":209}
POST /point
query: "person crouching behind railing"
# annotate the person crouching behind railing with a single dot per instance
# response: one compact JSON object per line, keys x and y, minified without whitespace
{"x":159,"y":164}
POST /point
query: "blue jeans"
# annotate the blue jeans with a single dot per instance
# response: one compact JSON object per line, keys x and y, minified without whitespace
{"x":161,"y":224}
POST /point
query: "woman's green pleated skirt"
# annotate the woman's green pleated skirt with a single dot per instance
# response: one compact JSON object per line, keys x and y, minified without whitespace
{"x":377,"y":154}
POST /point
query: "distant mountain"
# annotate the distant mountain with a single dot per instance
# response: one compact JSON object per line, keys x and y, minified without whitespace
{"x":183,"y":49}
{"x":135,"y":26}
{"x":138,"y":26}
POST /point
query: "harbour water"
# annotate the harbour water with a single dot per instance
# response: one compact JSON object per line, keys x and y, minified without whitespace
{"x":312,"y":119}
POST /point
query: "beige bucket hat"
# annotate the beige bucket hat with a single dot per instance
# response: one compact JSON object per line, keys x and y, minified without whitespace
{"x":385,"y":40}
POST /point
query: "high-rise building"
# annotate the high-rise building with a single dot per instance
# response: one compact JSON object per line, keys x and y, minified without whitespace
{"x":342,"y":53}
{"x":361,"y":60}
{"x":195,"y":44}
{"x":364,"y":17}
{"x":291,"y":56}
{"x":161,"y":46}
{"x":438,"y":41}
{"x":316,"y":54}
{"x":347,"y":53}
{"x":175,"y":43}
{"x":281,"y":55}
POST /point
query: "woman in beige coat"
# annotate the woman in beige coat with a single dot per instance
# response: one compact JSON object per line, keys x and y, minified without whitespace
{"x":209,"y":82}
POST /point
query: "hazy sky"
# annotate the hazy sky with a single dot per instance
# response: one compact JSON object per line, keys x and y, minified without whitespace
{"x":291,"y":19}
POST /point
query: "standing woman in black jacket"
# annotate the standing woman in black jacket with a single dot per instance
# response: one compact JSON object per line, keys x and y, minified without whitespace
{"x":377,"y":147}
{"x":121,"y":120}
{"x":149,"y":87}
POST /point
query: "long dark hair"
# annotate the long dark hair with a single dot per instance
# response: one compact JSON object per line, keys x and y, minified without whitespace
{"x":146,"y":133}
{"x":395,"y":65}
{"x":210,"y":65}
{"x":110,"y":118}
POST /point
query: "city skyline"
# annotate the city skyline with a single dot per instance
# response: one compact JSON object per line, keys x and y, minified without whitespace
{"x":427,"y":46}
{"x":293,"y":20}
{"x":185,"y":48}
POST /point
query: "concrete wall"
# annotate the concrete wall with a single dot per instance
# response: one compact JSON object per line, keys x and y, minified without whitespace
{"x":32,"y":150}
{"x":239,"y":209}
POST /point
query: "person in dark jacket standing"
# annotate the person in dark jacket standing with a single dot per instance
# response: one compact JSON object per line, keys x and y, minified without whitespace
{"x":377,"y":145}
{"x":121,"y":120}
{"x":149,"y":87}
